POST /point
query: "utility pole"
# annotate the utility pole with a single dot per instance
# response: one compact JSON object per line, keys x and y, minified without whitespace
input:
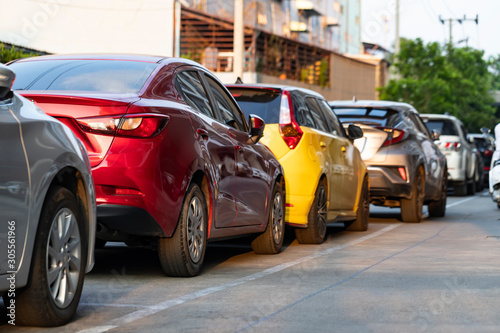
{"x":459,"y":20}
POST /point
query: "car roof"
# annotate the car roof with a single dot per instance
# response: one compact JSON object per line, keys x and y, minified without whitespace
{"x":111,"y":56}
{"x":281,"y":87}
{"x":397,"y":106}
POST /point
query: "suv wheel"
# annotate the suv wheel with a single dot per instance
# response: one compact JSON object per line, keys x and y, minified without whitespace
{"x":471,"y":186}
{"x":411,"y":209}
{"x":460,"y":190}
{"x":361,"y":222}
{"x":438,"y":208}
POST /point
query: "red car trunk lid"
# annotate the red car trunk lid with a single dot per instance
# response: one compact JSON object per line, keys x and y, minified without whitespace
{"x":68,"y":108}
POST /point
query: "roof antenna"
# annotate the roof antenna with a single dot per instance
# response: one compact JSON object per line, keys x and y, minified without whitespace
{"x":354,"y":99}
{"x":238,"y":81}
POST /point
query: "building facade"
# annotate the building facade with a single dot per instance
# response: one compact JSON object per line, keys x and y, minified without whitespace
{"x":302,"y":42}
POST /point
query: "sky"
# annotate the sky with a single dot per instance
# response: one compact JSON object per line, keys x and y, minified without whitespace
{"x":420,"y":19}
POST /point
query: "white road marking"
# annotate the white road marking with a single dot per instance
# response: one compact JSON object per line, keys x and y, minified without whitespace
{"x":460,"y":202}
{"x":150,"y":310}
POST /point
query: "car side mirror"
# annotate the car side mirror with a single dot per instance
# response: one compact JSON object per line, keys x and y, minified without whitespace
{"x":257,"y":125}
{"x":354,"y":132}
{"x":7,"y":77}
{"x":435,"y":135}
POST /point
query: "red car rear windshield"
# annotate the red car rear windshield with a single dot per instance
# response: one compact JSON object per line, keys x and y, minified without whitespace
{"x":264,"y":103}
{"x":106,"y":76}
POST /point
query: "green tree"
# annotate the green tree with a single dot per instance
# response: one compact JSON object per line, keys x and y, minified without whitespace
{"x":495,"y":71}
{"x":437,"y":79}
{"x":8,"y":54}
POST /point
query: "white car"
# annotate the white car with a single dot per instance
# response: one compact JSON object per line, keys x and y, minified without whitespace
{"x":451,"y":138}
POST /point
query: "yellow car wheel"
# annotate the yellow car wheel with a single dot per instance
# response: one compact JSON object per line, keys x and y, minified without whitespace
{"x":315,"y":233}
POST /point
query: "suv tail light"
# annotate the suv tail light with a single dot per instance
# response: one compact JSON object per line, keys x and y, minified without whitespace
{"x":452,"y":146}
{"x":134,"y":125}
{"x":289,"y":128}
{"x":393,"y":135}
{"x":488,"y":152}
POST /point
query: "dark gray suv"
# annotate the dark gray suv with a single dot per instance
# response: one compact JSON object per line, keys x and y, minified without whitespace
{"x":406,"y":168}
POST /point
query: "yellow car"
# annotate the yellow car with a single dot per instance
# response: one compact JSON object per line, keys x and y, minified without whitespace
{"x":326,"y":179}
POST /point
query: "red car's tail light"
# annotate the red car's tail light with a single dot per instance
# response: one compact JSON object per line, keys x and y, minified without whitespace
{"x":136,"y":125}
{"x":142,"y":127}
{"x":393,"y":135}
{"x":289,"y":128}
{"x":488,"y":152}
{"x":106,"y":126}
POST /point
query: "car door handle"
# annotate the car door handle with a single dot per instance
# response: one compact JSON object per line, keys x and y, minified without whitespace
{"x":343,"y":149}
{"x":322,"y":144}
{"x":202,"y":132}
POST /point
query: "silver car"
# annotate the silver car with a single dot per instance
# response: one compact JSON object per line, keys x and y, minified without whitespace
{"x":47,"y":213}
{"x":406,"y":168}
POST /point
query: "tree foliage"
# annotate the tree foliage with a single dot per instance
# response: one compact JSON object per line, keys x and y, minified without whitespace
{"x":8,"y":54}
{"x":495,"y":70}
{"x":438,"y":78}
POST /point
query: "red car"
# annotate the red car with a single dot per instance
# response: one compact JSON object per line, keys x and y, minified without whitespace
{"x":174,"y":161}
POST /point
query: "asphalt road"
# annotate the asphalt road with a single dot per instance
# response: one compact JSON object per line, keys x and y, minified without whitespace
{"x":441,"y":275}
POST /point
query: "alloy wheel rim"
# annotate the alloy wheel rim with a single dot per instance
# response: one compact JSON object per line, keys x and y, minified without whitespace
{"x":64,"y":255}
{"x":322,"y":212}
{"x":277,"y":218}
{"x":195,"y":230}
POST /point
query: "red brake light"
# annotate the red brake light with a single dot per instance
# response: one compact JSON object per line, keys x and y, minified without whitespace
{"x":488,"y":152}
{"x":393,"y":135}
{"x":289,"y":128}
{"x":142,"y":127}
{"x":135,"y":125}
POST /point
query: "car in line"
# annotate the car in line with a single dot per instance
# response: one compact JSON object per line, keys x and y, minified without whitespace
{"x":326,"y":179}
{"x":463,"y":170}
{"x":47,"y":213}
{"x":175,"y":162}
{"x":485,"y":144}
{"x":406,"y":168}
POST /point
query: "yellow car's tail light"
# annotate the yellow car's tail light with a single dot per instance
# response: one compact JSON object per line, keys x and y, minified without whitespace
{"x":289,"y":128}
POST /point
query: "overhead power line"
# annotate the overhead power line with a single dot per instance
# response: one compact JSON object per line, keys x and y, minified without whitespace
{"x":459,"y":20}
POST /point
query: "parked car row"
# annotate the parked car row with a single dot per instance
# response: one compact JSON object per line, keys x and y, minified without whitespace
{"x":157,"y":152}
